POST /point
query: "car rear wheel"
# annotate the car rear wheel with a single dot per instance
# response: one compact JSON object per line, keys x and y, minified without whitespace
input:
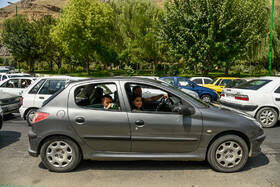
{"x":206,"y":98}
{"x":267,"y":117}
{"x":60,"y":154}
{"x":228,"y":153}
{"x":29,"y":116}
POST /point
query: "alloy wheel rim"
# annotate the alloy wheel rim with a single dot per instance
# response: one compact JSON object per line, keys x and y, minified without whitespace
{"x":59,"y":154}
{"x":267,"y":117}
{"x":229,"y":154}
{"x":206,"y":99}
{"x":31,"y":115}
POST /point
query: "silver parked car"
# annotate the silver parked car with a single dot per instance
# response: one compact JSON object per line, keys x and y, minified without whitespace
{"x":74,"y":124}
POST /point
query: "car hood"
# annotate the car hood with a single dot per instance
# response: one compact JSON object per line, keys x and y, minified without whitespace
{"x":232,"y":111}
{"x":5,"y":95}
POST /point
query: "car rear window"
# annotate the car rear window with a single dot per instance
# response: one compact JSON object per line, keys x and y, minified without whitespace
{"x":253,"y":84}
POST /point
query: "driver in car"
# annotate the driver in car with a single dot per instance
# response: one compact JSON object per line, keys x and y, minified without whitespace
{"x":138,"y":90}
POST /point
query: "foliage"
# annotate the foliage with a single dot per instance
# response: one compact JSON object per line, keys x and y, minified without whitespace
{"x":135,"y":26}
{"x":209,"y":32}
{"x":19,"y":37}
{"x":83,"y":26}
{"x":129,"y":71}
{"x":62,"y":71}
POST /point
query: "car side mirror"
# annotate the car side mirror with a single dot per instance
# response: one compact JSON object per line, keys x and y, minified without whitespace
{"x":185,"y":111}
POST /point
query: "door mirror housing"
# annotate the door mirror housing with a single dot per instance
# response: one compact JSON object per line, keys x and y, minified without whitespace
{"x":185,"y":111}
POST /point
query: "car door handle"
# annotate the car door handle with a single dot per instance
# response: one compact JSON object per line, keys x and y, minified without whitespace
{"x":80,"y":120}
{"x":139,"y":123}
{"x":41,"y":98}
{"x":277,"y":99}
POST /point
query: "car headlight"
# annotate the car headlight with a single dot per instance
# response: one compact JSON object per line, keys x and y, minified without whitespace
{"x":257,"y":123}
{"x":18,"y":99}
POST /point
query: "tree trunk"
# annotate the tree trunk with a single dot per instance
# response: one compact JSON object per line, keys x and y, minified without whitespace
{"x":226,"y":70}
{"x":87,"y":64}
{"x":111,"y":69}
{"x":204,"y":72}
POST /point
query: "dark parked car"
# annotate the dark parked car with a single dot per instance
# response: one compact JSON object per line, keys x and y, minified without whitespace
{"x":10,"y":103}
{"x":74,"y":125}
{"x":205,"y":94}
{"x":1,"y":117}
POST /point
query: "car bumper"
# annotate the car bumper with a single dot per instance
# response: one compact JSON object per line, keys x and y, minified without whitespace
{"x":22,"y":111}
{"x":255,"y":145}
{"x":11,"y":108}
{"x":238,"y":106}
{"x":34,"y":142}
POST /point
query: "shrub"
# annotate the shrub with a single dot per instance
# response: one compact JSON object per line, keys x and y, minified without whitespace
{"x":62,"y":71}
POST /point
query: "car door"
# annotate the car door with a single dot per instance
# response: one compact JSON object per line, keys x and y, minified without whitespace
{"x":47,"y":90}
{"x":164,"y":132}
{"x":101,"y":129}
{"x":276,"y":96}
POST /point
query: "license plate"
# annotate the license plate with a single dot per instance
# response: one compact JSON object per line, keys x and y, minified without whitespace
{"x":230,"y":95}
{"x":12,"y":107}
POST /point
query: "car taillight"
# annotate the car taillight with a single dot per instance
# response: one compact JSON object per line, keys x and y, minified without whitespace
{"x":39,"y":116}
{"x":21,"y":101}
{"x":242,"y":97}
{"x":222,"y":94}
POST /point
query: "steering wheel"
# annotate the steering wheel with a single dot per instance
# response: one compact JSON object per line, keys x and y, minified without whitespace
{"x":165,"y":105}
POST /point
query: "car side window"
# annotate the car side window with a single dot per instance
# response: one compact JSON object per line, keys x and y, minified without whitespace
{"x":25,"y":83}
{"x":170,"y":81}
{"x":197,"y":81}
{"x":146,"y":98}
{"x":36,"y":87}
{"x":98,"y":96}
{"x":277,"y":90}
{"x":207,"y":81}
{"x":12,"y":83}
{"x":52,"y":86}
{"x":183,"y":82}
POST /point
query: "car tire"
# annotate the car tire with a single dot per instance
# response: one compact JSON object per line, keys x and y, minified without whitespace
{"x":206,"y":98}
{"x":267,"y":117}
{"x":29,"y":116}
{"x":60,"y":154}
{"x":228,"y":153}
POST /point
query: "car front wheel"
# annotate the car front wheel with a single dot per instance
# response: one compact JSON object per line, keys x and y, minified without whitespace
{"x":60,"y":154}
{"x":228,"y":153}
{"x":267,"y":117}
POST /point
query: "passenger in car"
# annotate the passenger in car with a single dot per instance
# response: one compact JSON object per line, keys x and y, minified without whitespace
{"x":97,"y":96}
{"x":136,"y":101}
{"x":107,"y":101}
{"x":138,"y":90}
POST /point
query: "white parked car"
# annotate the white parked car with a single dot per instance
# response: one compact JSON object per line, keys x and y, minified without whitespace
{"x":39,"y":91}
{"x":16,"y":85}
{"x":5,"y":76}
{"x":258,"y":97}
{"x":201,"y":80}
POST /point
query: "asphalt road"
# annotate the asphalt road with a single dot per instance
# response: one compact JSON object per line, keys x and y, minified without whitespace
{"x":18,"y":168}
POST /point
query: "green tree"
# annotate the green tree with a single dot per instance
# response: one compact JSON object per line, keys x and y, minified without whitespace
{"x":18,"y":35}
{"x":83,"y":26}
{"x":135,"y":26}
{"x":208,"y":33}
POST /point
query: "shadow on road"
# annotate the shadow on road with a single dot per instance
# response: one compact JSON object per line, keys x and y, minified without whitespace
{"x":8,"y":137}
{"x":254,"y":162}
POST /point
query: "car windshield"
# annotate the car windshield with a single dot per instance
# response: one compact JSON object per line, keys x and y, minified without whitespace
{"x":235,"y":83}
{"x":213,"y":81}
{"x":178,"y":89}
{"x":253,"y":84}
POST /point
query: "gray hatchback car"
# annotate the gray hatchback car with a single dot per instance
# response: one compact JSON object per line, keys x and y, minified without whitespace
{"x":76,"y":124}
